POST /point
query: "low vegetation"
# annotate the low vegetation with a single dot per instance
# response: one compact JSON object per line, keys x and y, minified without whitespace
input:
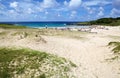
{"x":114,"y":37}
{"x":3,"y":33}
{"x":10,"y":26}
{"x":103,"y":21}
{"x":38,"y":33}
{"x":63,"y":33}
{"x":115,"y":50}
{"x":27,"y":63}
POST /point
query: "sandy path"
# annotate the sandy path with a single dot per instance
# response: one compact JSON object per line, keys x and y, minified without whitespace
{"x":89,"y":55}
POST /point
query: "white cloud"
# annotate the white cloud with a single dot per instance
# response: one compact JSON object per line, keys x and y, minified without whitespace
{"x":26,"y":7}
{"x":14,"y":4}
{"x":65,"y":8}
{"x":62,"y":9}
{"x":101,"y":8}
{"x":58,"y":15}
{"x":90,"y":10}
{"x":115,"y":12}
{"x":101,"y":11}
{"x":2,"y":6}
{"x":49,"y":3}
{"x":75,"y":3}
{"x":96,"y":2}
{"x":28,"y":0}
{"x":11,"y":11}
{"x":71,"y":5}
{"x":46,"y":12}
{"x":12,"y":14}
{"x":116,"y":4}
{"x":30,"y":11}
{"x":65,"y":3}
{"x":2,"y":12}
{"x":73,"y":14}
{"x":100,"y":14}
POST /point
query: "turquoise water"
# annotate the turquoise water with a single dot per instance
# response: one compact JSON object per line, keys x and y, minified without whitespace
{"x":46,"y":24}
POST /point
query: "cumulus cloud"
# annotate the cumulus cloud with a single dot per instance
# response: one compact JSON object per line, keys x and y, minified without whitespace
{"x":115,"y":12}
{"x":90,"y":10}
{"x":2,"y":13}
{"x":116,"y":8}
{"x":46,"y":12}
{"x":12,"y":13}
{"x":101,"y":8}
{"x":61,"y":8}
{"x":116,"y":4}
{"x":29,"y":8}
{"x":73,"y":14}
{"x":30,"y":11}
{"x":14,"y":4}
{"x":65,"y":3}
{"x":28,"y":0}
{"x":100,"y":14}
{"x":49,"y":3}
{"x":75,"y":3}
{"x":2,"y":6}
{"x":58,"y":15}
{"x":101,"y":11}
{"x":26,"y":7}
{"x":96,"y":3}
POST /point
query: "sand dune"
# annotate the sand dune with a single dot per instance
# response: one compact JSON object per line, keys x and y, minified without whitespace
{"x":88,"y":54}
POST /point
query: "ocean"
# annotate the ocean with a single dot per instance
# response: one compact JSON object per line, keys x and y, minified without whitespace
{"x":45,"y":24}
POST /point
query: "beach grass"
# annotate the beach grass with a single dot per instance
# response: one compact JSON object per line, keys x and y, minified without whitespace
{"x":113,"y":37}
{"x":116,"y":51}
{"x":32,"y":33}
{"x":3,"y":33}
{"x":10,"y":26}
{"x":27,"y":63}
{"x":63,"y":33}
{"x":116,"y":46}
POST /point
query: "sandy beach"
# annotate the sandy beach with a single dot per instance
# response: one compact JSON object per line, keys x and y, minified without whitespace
{"x":88,"y":51}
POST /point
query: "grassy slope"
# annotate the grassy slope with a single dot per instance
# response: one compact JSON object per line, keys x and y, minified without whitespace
{"x":8,"y":26}
{"x":27,"y":63}
{"x":103,"y":21}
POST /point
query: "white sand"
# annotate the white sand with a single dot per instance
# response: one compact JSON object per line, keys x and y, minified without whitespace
{"x":89,"y":55}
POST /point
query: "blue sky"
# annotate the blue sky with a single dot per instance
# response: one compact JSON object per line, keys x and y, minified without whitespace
{"x":58,"y":10}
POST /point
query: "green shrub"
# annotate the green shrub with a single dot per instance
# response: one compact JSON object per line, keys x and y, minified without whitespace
{"x":31,"y":63}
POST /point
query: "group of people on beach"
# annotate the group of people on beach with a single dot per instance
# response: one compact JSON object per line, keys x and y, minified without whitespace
{"x":90,"y":29}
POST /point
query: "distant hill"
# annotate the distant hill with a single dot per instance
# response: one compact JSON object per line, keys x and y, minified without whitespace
{"x":103,"y":21}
